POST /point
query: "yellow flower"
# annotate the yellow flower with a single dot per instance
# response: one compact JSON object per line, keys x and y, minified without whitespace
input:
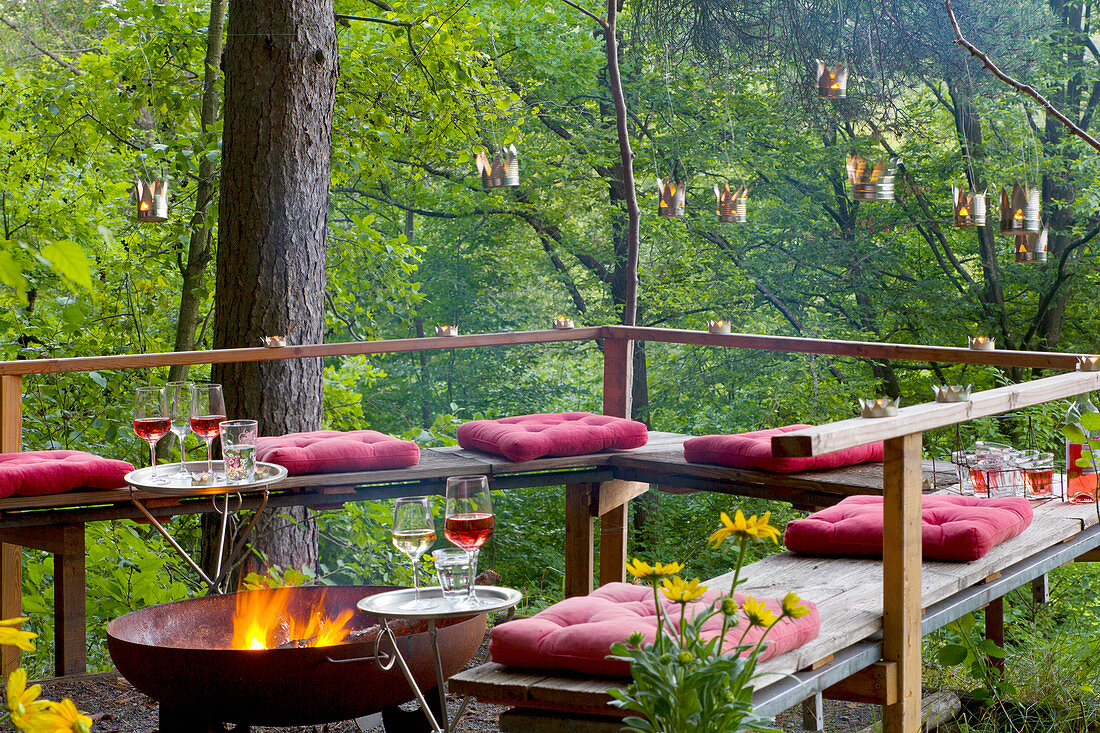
{"x":650,"y":573}
{"x":679,"y":590}
{"x":763,"y":530}
{"x":792,"y":606}
{"x":16,"y":637}
{"x":60,"y":717}
{"x":757,"y":613}
{"x":23,"y":702}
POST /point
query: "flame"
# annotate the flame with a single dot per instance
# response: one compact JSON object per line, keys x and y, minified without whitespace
{"x":963,"y":211}
{"x":144,"y":205}
{"x":1019,"y":215}
{"x":264,"y":620}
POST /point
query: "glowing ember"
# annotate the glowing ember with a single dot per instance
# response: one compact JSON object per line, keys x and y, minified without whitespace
{"x":264,"y":620}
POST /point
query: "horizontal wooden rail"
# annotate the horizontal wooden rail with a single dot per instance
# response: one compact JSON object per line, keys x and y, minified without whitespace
{"x":346,"y":348}
{"x":919,"y":418}
{"x":860,"y":349}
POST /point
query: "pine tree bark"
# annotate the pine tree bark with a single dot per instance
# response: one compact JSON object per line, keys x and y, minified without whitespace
{"x":280,"y":79}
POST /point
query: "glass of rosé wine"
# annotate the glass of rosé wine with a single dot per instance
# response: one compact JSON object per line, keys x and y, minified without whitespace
{"x":151,"y":421}
{"x":468,"y":517}
{"x":207,"y":413}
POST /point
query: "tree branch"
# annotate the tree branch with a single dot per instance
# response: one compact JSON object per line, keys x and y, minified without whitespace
{"x":590,"y":14}
{"x":1017,"y":85}
{"x":398,"y":23}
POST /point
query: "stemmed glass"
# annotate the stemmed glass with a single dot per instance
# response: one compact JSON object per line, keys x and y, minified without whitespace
{"x":413,"y":534}
{"x":468,"y":518}
{"x":151,"y":422}
{"x":179,"y":412}
{"x":207,"y":412}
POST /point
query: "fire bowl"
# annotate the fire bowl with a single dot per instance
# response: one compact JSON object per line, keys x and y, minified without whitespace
{"x":176,"y":654}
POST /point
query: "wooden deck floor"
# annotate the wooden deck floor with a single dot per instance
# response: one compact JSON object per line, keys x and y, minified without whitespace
{"x":848,"y":594}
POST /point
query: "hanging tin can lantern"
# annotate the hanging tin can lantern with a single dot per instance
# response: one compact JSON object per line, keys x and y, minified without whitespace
{"x":871,"y":182}
{"x":969,"y":207}
{"x":502,"y":171}
{"x":1020,"y":210}
{"x":732,"y":204}
{"x":1032,"y":247}
{"x":832,"y":81}
{"x":671,"y":202}
{"x":152,"y":200}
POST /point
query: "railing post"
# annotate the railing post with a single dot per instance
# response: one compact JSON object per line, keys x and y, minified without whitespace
{"x":901,"y":586}
{"x":11,"y":556}
{"x":618,"y":385}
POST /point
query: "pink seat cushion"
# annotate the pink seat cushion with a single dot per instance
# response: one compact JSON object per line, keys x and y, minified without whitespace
{"x":754,"y":450}
{"x":955,"y":528}
{"x":577,"y":633}
{"x":331,"y":451}
{"x":34,"y":473}
{"x":527,"y":437}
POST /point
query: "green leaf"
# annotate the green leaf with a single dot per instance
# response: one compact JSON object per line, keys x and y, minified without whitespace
{"x":952,"y":655}
{"x":1074,"y":434}
{"x":67,"y":259}
{"x":1090,"y":421}
{"x":990,"y":648}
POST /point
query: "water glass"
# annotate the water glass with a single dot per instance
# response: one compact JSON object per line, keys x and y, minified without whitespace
{"x":1039,"y":475}
{"x":239,"y":449}
{"x":456,"y":573}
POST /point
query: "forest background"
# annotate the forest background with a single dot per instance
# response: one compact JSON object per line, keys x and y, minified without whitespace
{"x":718,"y":91}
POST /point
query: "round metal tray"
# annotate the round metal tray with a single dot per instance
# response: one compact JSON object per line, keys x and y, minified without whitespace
{"x":489,"y":598}
{"x":142,"y":478}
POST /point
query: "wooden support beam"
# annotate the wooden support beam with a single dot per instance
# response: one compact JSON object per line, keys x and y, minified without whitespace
{"x":901,"y":570}
{"x":618,"y":376}
{"x":813,"y":713}
{"x":1040,"y":590}
{"x":70,"y":644}
{"x":11,"y":556}
{"x":874,"y":685}
{"x":579,"y":540}
{"x":615,"y":493}
{"x":995,"y":629}
{"x":613,"y":544}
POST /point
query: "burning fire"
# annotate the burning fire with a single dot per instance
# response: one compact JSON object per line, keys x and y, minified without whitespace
{"x":264,"y":620}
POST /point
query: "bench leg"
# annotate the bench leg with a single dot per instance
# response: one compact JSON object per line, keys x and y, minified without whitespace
{"x":70,"y":655}
{"x":901,"y":570}
{"x":11,"y":599}
{"x":813,"y":713}
{"x":995,"y":629}
{"x":1040,"y":590}
{"x":579,"y":540}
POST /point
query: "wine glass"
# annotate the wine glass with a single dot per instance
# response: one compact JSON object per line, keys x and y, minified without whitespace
{"x":468,"y":518}
{"x":207,"y":412}
{"x":413,"y":534}
{"x":151,"y":422}
{"x":179,"y":412}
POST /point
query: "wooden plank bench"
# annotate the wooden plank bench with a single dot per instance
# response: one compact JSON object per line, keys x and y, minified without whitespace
{"x":844,"y":661}
{"x":597,"y":486}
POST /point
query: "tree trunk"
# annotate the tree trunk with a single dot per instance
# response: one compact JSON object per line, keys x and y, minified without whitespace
{"x":280,"y":69}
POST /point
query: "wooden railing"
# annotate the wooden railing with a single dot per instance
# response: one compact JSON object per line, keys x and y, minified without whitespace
{"x":902,"y":436}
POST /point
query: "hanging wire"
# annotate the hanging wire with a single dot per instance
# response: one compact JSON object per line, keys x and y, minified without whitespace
{"x":671,"y":114}
{"x":729,"y":124}
{"x":152,"y":103}
{"x":492,"y":117}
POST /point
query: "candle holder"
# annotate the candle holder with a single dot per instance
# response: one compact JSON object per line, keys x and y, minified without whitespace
{"x":152,"y":201}
{"x":500,"y":172}
{"x":969,"y":207}
{"x":982,"y":343}
{"x":732,"y":204}
{"x":671,"y":198}
{"x":879,"y":407}
{"x":274,"y":342}
{"x":1088,"y":363}
{"x":832,"y":81}
{"x":1020,"y":209}
{"x":1032,"y":247}
{"x":952,"y":392}
{"x":446,"y":330}
{"x":871,"y":181}
{"x":718,"y":326}
{"x":563,"y":323}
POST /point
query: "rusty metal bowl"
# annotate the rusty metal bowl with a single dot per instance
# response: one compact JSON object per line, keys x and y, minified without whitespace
{"x":175,"y":654}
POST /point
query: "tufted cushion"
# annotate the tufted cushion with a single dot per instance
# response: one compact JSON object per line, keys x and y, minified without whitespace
{"x":955,"y":528}
{"x":527,"y":437}
{"x":331,"y":451}
{"x":754,"y":450}
{"x":577,"y":633}
{"x":34,"y":473}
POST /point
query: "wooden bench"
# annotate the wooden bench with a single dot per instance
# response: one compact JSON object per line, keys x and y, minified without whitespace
{"x":597,"y":486}
{"x":844,"y":662}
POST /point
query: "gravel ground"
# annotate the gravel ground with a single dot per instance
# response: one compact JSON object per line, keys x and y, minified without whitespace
{"x":116,"y":707}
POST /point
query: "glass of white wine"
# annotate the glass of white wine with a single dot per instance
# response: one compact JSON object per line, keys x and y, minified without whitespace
{"x":413,"y":535}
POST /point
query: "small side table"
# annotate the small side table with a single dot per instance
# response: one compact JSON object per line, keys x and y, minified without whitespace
{"x":183,"y":486}
{"x":388,"y":605}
